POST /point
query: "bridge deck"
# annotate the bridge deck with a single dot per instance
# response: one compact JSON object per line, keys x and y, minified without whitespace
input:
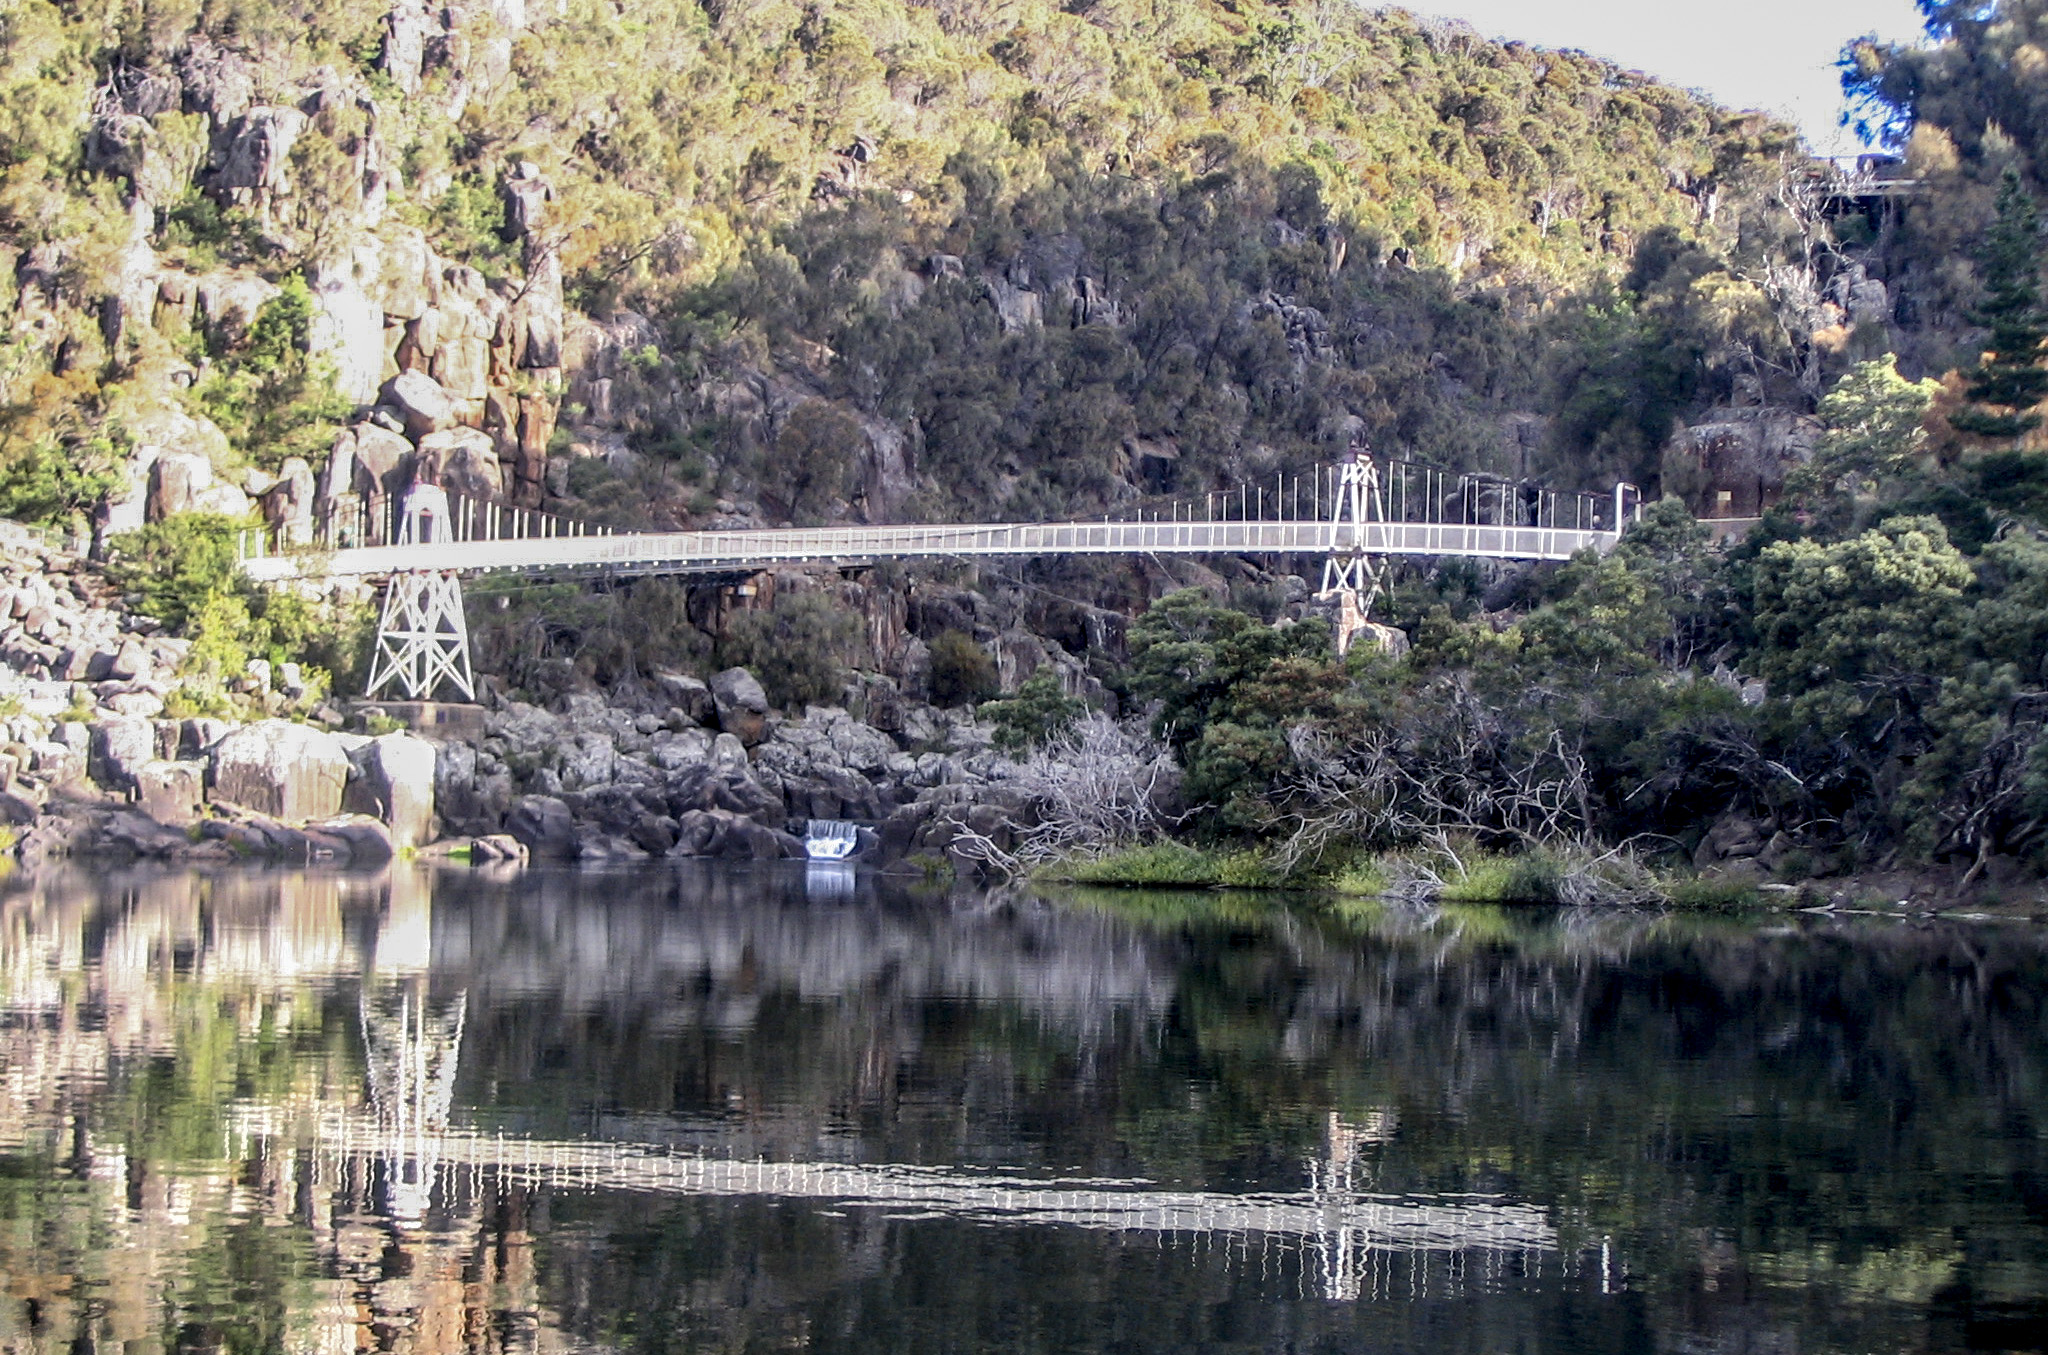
{"x":741,"y":551}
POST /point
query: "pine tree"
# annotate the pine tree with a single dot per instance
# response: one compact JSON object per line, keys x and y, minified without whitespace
{"x":2010,"y":380}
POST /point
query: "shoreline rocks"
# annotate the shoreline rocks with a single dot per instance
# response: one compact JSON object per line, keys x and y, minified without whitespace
{"x":92,"y":762}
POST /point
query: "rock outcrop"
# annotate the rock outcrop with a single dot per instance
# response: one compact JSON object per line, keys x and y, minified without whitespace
{"x":741,"y":704}
{"x":281,"y":769}
{"x":544,"y":826}
{"x":678,"y":766}
{"x":392,"y":779}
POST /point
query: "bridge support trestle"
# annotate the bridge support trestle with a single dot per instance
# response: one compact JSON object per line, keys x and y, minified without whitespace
{"x":422,"y":637}
{"x":1353,"y":579}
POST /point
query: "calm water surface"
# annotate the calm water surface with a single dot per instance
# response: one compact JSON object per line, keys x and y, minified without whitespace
{"x":729,"y":1110}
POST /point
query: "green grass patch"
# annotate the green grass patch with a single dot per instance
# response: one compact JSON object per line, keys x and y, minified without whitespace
{"x":1366,"y":877}
{"x":1154,"y":865}
{"x":1251,"y":870}
{"x":1532,"y":877}
{"x":1708,"y":895}
{"x":931,"y":868}
{"x":1173,"y":865}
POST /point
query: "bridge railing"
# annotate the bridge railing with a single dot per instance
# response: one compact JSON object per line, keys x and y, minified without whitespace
{"x":1417,"y":509}
{"x":1410,"y":491}
{"x":355,"y":521}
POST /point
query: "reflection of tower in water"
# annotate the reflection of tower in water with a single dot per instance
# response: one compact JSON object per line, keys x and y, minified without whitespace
{"x":430,"y":1258}
{"x":1346,"y":1253}
{"x":411,"y":1044}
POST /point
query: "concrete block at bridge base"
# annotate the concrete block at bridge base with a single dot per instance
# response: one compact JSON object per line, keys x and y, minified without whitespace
{"x":457,"y":720}
{"x":1391,"y":641}
{"x":286,"y":771}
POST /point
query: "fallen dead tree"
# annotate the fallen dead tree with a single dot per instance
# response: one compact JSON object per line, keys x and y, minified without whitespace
{"x":1434,"y":792}
{"x":1099,"y":787}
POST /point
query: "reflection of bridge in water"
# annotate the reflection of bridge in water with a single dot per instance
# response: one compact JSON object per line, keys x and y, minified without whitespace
{"x":1350,"y":1238}
{"x":1329,"y":1209}
{"x":423,"y":1228}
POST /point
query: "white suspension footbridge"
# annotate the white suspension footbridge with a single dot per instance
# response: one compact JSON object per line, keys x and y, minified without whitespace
{"x":1358,"y":514}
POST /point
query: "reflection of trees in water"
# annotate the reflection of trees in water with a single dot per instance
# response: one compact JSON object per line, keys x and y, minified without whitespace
{"x":1852,"y":1108}
{"x":142,"y":1015}
{"x":1836,"y":1095}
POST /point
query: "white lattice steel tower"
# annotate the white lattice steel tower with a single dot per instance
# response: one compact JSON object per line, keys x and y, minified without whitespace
{"x":1351,"y":577}
{"x":422,"y":634}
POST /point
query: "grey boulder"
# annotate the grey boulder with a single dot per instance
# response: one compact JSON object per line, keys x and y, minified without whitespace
{"x":741,"y":704}
{"x":274,"y":767}
{"x":543,"y":825}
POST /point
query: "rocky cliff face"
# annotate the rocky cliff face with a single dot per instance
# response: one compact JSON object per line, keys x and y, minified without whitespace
{"x":453,"y":376}
{"x":807,"y":262}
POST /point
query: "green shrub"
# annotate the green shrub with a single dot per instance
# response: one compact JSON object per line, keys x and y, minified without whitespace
{"x":962,"y":671}
{"x":1365,"y":877}
{"x":1711,"y":895}
{"x":1156,"y":863}
{"x":1249,"y":870}
{"x":207,"y":236}
{"x":1176,"y":865}
{"x":468,"y":223}
{"x":1040,"y":711}
{"x":222,"y":633}
{"x":196,"y":698}
{"x":271,"y":396}
{"x":1531,"y":877}
{"x":182,"y":571}
{"x":793,"y":648}
{"x":52,"y":485}
{"x":931,"y":868}
{"x":175,"y":567}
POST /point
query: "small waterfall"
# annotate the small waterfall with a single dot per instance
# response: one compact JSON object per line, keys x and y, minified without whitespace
{"x":830,"y":839}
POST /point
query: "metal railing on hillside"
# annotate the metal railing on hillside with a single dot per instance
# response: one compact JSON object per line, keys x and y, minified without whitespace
{"x":67,"y":541}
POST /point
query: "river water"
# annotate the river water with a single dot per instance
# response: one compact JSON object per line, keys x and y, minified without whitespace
{"x":777,"y":1108}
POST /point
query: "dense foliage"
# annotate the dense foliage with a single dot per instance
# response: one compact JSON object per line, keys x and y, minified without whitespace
{"x":1028,"y":237}
{"x":1900,"y":708}
{"x":182,"y":572}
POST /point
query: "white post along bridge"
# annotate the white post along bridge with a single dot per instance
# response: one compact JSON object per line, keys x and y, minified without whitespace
{"x":1356,"y":515}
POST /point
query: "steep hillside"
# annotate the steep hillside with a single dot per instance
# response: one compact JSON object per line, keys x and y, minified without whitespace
{"x":864,"y":257}
{"x":870,"y":259}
